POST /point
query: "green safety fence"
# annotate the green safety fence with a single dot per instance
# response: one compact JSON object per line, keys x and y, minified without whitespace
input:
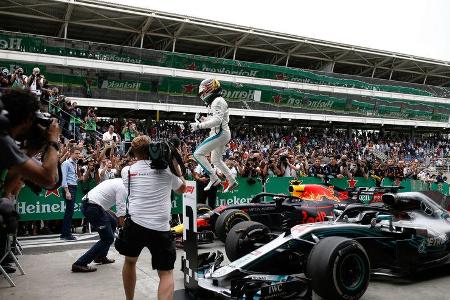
{"x":53,"y":46}
{"x":50,"y":205}
{"x":242,"y":194}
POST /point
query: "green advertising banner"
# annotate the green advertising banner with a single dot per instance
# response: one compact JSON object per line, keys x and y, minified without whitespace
{"x":417,"y":185}
{"x":48,"y":204}
{"x":28,"y":43}
{"x":242,"y":194}
{"x":345,"y":183}
{"x":377,"y":107}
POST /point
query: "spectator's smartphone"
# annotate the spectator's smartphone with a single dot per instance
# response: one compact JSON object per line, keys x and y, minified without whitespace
{"x":114,"y":138}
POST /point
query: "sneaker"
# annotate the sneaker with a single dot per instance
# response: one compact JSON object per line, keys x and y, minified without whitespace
{"x":213,"y":181}
{"x":104,"y":260}
{"x":231,"y":186}
{"x":82,"y":269}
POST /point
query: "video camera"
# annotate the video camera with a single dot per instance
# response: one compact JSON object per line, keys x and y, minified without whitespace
{"x":165,"y":154}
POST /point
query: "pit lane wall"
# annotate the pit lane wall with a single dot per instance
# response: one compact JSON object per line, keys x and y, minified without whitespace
{"x":50,"y":205}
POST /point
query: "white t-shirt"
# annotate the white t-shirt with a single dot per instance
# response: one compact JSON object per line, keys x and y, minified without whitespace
{"x":109,"y":193}
{"x":149,"y":200}
{"x":109,"y":137}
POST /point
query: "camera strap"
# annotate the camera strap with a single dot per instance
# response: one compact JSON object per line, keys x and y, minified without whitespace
{"x":126,"y":202}
{"x":3,"y":174}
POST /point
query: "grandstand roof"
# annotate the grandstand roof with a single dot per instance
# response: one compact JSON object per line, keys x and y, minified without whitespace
{"x":124,"y":25}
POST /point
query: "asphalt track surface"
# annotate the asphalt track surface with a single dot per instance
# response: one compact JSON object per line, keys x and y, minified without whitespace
{"x":47,"y":263}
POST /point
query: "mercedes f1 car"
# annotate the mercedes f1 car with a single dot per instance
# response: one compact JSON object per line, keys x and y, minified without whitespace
{"x":405,"y":233}
{"x":307,"y":203}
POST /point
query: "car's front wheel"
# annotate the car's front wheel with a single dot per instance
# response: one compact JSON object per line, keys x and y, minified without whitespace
{"x":339,"y":268}
{"x":227,"y":220}
{"x":245,"y":237}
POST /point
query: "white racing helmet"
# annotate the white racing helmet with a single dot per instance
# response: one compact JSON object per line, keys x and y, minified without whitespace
{"x":208,"y":90}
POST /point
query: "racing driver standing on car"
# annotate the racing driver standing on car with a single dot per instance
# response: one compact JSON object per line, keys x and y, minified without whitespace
{"x":211,"y":93}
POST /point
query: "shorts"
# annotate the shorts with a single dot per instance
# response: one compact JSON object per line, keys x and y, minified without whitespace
{"x":160,"y":244}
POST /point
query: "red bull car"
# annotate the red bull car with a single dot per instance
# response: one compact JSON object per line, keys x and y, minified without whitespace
{"x":307,"y":203}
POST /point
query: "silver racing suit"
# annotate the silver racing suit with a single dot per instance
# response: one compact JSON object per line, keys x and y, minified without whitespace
{"x":219,"y":137}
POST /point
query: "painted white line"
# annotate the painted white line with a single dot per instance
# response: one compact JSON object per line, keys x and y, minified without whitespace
{"x":58,"y":244}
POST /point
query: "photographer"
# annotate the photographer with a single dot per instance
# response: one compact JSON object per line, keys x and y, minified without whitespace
{"x":107,"y":171}
{"x":5,"y":79}
{"x":110,"y":137}
{"x":150,"y":185}
{"x":129,"y":133}
{"x":272,"y":167}
{"x":75,"y":121}
{"x":90,"y":126}
{"x":96,"y":207}
{"x":18,"y":79}
{"x":35,"y":82}
{"x":21,"y":119}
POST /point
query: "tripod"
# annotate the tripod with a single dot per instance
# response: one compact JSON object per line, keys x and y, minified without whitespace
{"x":9,"y":252}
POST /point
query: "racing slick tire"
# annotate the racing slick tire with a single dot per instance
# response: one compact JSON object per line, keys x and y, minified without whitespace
{"x":339,"y":268}
{"x":203,"y":209}
{"x":227,"y":220}
{"x":242,"y":238}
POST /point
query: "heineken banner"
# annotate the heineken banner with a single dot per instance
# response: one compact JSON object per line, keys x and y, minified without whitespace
{"x":314,"y":101}
{"x":54,"y":46}
{"x":247,"y":189}
{"x":177,"y":199}
{"x":47,"y":205}
{"x":50,"y":205}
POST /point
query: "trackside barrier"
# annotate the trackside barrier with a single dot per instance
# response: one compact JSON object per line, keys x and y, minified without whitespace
{"x":50,"y":205}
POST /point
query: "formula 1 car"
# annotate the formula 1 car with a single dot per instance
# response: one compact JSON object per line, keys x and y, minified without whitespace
{"x":406,"y":233}
{"x":307,"y":203}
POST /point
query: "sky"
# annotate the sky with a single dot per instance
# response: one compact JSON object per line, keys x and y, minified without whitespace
{"x":414,"y":27}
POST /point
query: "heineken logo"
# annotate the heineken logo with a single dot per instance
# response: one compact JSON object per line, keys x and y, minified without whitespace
{"x":352,"y":182}
{"x":192,"y":67}
{"x":54,"y":192}
{"x":42,"y":208}
{"x":10,"y":43}
{"x":239,"y":95}
{"x":277,"y":99}
{"x":189,"y":88}
{"x":113,"y":57}
{"x":233,"y":200}
{"x":112,"y":84}
{"x":281,"y":77}
{"x":223,"y":70}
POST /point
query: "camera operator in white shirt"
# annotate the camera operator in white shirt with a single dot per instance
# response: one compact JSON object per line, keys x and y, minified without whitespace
{"x":150,"y":211}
